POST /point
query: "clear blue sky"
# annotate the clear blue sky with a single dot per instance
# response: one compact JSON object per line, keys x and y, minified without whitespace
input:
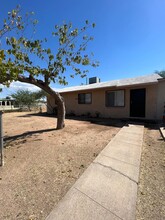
{"x":129,"y":38}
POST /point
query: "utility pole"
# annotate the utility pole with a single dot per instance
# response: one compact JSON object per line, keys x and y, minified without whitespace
{"x":1,"y":139}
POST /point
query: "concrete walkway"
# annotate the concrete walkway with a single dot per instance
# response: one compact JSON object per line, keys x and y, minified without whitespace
{"x":107,"y":190}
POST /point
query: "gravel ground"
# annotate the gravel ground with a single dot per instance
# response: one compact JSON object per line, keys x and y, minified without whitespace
{"x":151,"y":190}
{"x":42,"y":163}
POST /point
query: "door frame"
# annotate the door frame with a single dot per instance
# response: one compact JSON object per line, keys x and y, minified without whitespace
{"x":133,"y":95}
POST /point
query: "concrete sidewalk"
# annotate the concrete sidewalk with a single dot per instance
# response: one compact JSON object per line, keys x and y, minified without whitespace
{"x":107,"y":190}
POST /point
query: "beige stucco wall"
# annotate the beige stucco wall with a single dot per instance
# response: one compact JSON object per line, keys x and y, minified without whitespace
{"x":98,"y":103}
{"x":161,"y":99}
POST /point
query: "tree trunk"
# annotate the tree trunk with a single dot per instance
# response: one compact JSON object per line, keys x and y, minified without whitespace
{"x":60,"y":113}
{"x":52,"y":93}
{"x":60,"y":106}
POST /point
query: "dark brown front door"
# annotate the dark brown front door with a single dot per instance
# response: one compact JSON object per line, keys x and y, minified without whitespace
{"x":137,"y":102}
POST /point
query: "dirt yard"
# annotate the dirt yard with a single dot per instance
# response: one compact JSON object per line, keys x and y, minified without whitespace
{"x":42,"y":163}
{"x":151,"y":190}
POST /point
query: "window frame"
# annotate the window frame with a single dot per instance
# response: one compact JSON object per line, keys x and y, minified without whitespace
{"x":85,"y":93}
{"x":115,"y":106}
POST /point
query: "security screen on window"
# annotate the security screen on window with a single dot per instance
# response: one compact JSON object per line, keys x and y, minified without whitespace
{"x":115,"y":98}
{"x":84,"y":98}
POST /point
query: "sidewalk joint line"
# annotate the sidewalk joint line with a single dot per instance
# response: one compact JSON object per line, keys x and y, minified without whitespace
{"x":118,"y":160}
{"x":98,"y":203}
{"x":132,"y":132}
{"x":117,"y":171}
{"x":127,"y":142}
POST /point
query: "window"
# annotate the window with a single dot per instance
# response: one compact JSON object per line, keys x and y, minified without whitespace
{"x":84,"y":98}
{"x":115,"y":98}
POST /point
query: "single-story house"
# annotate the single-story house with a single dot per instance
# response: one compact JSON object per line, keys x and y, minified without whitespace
{"x":140,"y":98}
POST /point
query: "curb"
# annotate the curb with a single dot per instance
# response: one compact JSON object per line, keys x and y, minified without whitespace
{"x":162,"y":132}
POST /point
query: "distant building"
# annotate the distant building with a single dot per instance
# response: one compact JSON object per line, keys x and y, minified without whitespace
{"x":7,"y":104}
{"x":139,"y":98}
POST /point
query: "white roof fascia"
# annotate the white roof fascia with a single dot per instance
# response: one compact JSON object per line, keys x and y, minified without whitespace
{"x":142,"y":80}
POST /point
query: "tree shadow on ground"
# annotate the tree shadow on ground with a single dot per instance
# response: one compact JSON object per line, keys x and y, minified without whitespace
{"x":99,"y":121}
{"x":23,"y":136}
{"x":151,"y":124}
{"x":44,"y":114}
{"x":11,"y":140}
